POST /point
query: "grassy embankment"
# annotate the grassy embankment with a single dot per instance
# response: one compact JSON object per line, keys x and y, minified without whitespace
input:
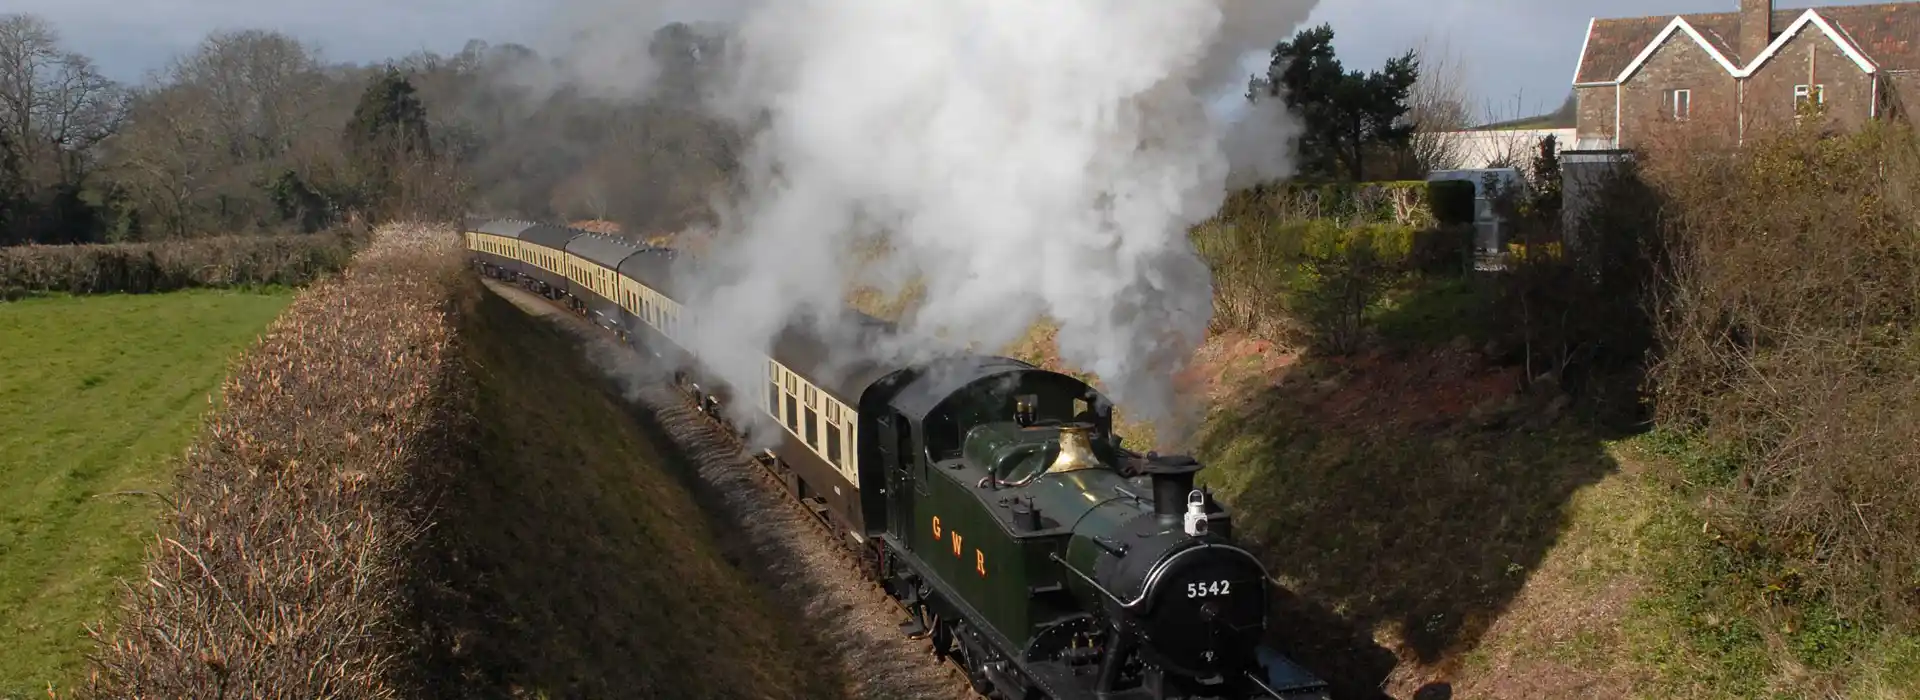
{"x":1447,"y":523}
{"x":99,"y":395}
{"x":591,"y":568}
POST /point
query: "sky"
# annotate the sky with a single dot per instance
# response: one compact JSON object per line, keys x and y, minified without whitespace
{"x":1517,"y":55}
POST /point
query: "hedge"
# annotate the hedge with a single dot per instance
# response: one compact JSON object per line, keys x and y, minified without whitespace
{"x":1418,"y":204}
{"x":228,"y":261}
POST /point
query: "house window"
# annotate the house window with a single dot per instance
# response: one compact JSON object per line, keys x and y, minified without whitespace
{"x":1680,"y":104}
{"x":1803,"y":94}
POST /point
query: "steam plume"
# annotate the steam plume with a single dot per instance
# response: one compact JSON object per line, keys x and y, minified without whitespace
{"x":1023,"y":160}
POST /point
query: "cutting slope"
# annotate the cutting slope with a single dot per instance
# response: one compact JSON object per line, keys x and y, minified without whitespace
{"x":587,"y":566}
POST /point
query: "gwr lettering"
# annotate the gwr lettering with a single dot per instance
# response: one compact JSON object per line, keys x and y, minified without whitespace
{"x":959,"y":546}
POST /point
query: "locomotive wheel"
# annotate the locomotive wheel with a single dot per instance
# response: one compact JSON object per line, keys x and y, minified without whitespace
{"x":971,"y":661}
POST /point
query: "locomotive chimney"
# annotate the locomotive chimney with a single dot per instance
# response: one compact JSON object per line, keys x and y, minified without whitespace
{"x":1172,"y":481}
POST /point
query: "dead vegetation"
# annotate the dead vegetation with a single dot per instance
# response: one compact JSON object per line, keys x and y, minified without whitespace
{"x":1791,"y":353}
{"x":139,"y":268}
{"x":283,"y":568}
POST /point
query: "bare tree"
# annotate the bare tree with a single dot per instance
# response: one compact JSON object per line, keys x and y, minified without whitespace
{"x":262,"y":87}
{"x":1438,"y":106}
{"x":55,"y":105}
{"x":168,"y":157}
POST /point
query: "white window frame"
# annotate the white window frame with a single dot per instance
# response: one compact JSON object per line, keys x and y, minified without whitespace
{"x":1680,"y":104}
{"x":1817,"y":93}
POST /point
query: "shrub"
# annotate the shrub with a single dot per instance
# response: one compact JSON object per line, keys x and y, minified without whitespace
{"x":1307,"y":281}
{"x":1401,"y":202}
{"x":1342,"y":273}
{"x":1251,"y":266}
{"x":1580,"y":313}
{"x":1442,"y":250}
{"x":231,"y":261}
{"x":1790,"y":342}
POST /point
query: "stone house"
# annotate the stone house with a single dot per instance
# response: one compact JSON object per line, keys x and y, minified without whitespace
{"x":1727,"y":75}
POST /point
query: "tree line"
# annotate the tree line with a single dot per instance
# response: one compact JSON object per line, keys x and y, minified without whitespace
{"x":253,"y":131}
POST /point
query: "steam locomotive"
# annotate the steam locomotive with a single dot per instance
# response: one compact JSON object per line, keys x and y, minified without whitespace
{"x":988,"y":496}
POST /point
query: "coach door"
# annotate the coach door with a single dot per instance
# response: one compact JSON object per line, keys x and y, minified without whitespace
{"x":896,"y":450}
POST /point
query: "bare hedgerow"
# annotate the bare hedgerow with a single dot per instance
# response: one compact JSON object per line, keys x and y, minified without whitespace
{"x":139,"y":268}
{"x":285,"y":566}
{"x":1791,"y":338}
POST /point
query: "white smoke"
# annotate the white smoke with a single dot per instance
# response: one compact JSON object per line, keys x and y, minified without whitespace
{"x":603,"y":46}
{"x":1025,"y":160}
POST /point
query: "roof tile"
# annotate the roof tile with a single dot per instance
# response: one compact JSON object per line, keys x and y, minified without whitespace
{"x":1888,"y":33}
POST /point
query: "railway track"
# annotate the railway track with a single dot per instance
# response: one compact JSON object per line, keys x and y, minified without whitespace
{"x":797,"y":551}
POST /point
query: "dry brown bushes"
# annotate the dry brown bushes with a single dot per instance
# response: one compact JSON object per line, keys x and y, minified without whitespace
{"x":226,"y":261}
{"x":285,"y":569}
{"x":1791,"y":335}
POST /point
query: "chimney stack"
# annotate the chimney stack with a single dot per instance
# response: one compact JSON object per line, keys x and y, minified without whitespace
{"x":1756,"y":28}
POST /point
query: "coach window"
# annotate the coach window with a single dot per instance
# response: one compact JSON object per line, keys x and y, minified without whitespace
{"x":813,"y":420}
{"x":833,"y":433}
{"x":793,"y":408}
{"x":773,"y":391}
{"x":833,"y":444}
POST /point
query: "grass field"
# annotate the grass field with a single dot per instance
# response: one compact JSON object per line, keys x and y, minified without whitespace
{"x":97,"y":395}
{"x":588,"y":567}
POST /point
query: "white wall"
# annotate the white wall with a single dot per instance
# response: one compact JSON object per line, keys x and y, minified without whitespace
{"x":1480,"y":149}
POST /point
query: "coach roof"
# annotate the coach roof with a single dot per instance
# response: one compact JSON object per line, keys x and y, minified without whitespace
{"x":602,"y":249}
{"x":652,"y":267}
{"x":844,"y":376}
{"x":503,"y":227}
{"x":549,"y":235}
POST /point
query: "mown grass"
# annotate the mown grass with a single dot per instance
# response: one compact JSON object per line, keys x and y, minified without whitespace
{"x":589,"y":568}
{"x":97,"y":395}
